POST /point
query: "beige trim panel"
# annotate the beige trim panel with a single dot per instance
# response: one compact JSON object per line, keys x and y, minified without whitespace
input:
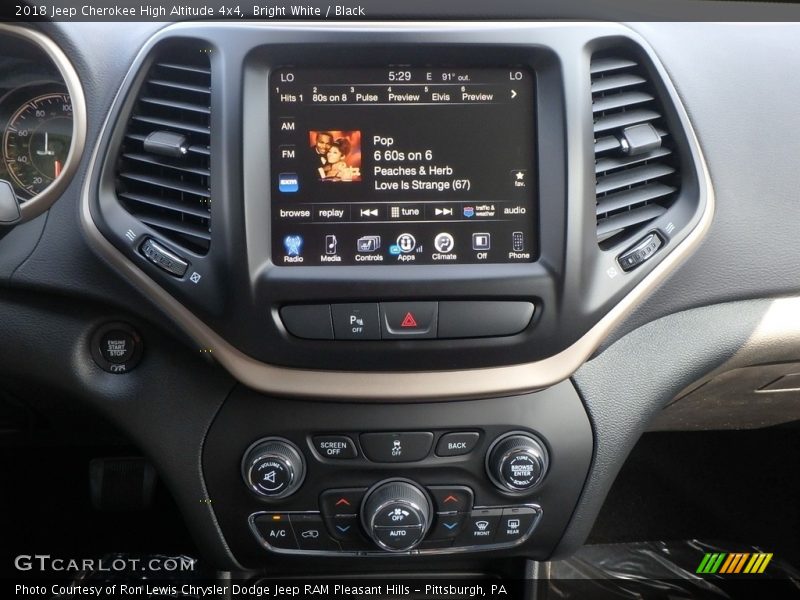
{"x":45,"y":199}
{"x":423,"y":385}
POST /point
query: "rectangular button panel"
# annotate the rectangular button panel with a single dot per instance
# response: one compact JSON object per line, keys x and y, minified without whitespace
{"x":407,"y":320}
{"x":311,"y":533}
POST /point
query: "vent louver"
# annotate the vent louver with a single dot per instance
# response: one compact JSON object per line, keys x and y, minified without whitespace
{"x":163,"y":172}
{"x":635,"y":162}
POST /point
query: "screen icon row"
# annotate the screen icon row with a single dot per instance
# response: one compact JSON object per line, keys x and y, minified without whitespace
{"x":405,"y":243}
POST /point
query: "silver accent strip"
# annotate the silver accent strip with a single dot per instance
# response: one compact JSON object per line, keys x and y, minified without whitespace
{"x":418,"y":385}
{"x":251,"y":521}
{"x":45,"y":199}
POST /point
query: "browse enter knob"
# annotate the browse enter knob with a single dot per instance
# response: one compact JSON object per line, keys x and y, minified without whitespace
{"x":517,"y":462}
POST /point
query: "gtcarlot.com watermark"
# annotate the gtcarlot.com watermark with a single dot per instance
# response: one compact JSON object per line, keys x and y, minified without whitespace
{"x":46,"y":563}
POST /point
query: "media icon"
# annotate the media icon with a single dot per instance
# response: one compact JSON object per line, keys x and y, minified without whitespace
{"x":444,"y":242}
{"x":406,"y":242}
{"x":481,"y":241}
{"x":368,"y":243}
{"x":293,"y":244}
{"x":330,"y":244}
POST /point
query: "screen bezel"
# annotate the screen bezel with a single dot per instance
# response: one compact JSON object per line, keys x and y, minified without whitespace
{"x":274,"y":286}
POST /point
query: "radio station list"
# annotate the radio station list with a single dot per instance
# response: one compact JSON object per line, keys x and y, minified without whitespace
{"x":421,"y":166}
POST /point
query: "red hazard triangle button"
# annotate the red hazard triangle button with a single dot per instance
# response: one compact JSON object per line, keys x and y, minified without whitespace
{"x":409,"y":321}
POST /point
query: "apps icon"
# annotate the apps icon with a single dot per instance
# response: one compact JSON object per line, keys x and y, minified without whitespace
{"x":444,"y":242}
{"x":481,"y":241}
{"x":288,"y":183}
{"x":406,"y":242}
{"x":368,"y":243}
{"x":293,"y":244}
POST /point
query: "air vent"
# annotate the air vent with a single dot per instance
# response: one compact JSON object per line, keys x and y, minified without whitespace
{"x":635,"y":161}
{"x":163,"y":172}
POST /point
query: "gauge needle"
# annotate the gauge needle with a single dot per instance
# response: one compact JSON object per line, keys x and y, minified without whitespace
{"x":46,"y":151}
{"x":57,"y":168}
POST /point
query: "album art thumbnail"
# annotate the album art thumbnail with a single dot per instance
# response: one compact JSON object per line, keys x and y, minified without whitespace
{"x":336,"y":155}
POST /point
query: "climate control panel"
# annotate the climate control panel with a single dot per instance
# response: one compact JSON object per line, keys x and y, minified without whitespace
{"x":397,"y":517}
{"x":403,"y":483}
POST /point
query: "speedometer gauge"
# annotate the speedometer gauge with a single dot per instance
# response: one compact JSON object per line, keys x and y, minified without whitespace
{"x":36,"y":141}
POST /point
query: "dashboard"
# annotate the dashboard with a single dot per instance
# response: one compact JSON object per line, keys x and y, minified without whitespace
{"x":406,"y":305}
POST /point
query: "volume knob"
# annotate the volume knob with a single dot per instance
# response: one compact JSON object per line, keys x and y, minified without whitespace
{"x":517,"y":462}
{"x":273,"y":468}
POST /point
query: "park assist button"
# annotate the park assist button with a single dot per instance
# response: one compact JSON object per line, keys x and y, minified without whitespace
{"x":356,"y":321}
{"x":456,"y":444}
{"x":409,"y":319}
{"x":335,"y":446}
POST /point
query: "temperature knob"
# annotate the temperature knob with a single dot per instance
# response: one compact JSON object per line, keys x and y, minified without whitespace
{"x":273,"y":467}
{"x":396,"y":514}
{"x":517,"y":462}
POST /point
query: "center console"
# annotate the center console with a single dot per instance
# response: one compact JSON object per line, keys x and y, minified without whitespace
{"x":407,"y":481}
{"x":402,"y":241}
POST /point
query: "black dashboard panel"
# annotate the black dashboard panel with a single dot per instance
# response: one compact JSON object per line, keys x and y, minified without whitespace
{"x":235,"y":291}
{"x":62,"y":266}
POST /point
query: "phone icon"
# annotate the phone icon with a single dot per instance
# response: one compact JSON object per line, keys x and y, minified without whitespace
{"x":518,"y":241}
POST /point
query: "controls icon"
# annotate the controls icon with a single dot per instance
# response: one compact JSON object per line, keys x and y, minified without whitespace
{"x":293,"y":244}
{"x":518,"y":241}
{"x":330,"y":244}
{"x":288,"y":183}
{"x":406,"y":242}
{"x":368,"y":243}
{"x":481,"y":241}
{"x":444,"y":242}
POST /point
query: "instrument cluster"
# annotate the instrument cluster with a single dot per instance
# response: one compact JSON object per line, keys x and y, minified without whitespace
{"x":35,"y":120}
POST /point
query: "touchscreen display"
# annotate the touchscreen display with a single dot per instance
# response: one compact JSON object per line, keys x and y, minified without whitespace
{"x":392,"y":166}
